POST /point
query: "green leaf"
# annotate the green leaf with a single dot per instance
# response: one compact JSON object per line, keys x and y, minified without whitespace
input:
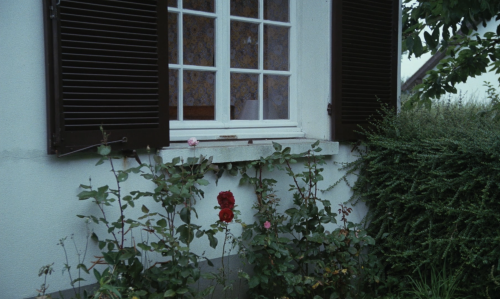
{"x":213,"y":241}
{"x":417,"y":47}
{"x":202,"y":182}
{"x":246,"y":235}
{"x":277,"y":146}
{"x":182,"y":291}
{"x":86,"y":195}
{"x":208,"y":275}
{"x":101,"y":161}
{"x":253,"y":282}
{"x":144,"y":209}
{"x":126,"y":256}
{"x":170,"y":293}
{"x":186,"y":234}
{"x":176,"y":160}
{"x":122,"y":176}
{"x":409,"y":43}
{"x":185,"y":215}
{"x":162,"y":222}
{"x":104,"y":150}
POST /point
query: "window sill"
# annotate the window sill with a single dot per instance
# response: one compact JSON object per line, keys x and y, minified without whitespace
{"x":236,"y":151}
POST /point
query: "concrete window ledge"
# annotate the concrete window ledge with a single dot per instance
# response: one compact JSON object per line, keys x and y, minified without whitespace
{"x":236,"y":151}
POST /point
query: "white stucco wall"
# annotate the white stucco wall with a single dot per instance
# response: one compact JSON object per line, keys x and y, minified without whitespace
{"x":38,"y":191}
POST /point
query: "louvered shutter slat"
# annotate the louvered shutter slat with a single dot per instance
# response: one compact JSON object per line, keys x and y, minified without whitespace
{"x":109,"y":72}
{"x":364,"y":62}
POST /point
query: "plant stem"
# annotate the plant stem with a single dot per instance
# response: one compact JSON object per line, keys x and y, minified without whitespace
{"x":296,"y":183}
{"x":119,"y":202}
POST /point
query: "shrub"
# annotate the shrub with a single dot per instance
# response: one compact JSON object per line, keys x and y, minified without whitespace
{"x":431,"y":180}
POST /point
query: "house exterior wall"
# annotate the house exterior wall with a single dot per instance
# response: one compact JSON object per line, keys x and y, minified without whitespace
{"x":38,"y":191}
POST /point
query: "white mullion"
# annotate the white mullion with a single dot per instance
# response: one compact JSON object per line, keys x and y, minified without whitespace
{"x":190,"y":67}
{"x":261,"y":60}
{"x":275,"y":72}
{"x":292,"y":64}
{"x":277,"y":23}
{"x":200,"y":13}
{"x":245,"y":19}
{"x":219,"y":60}
{"x":180,"y":41}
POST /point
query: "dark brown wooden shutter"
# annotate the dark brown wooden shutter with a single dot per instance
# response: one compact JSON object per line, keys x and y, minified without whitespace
{"x":364,"y":62}
{"x":107,"y":65}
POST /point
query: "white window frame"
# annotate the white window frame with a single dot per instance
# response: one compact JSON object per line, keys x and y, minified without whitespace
{"x":222,"y":128}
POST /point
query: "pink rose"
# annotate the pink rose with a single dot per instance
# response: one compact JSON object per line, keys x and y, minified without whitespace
{"x":267,"y":225}
{"x":192,"y":141}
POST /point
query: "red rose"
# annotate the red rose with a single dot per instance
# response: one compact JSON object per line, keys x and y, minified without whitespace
{"x":226,"y":215}
{"x":226,"y":200}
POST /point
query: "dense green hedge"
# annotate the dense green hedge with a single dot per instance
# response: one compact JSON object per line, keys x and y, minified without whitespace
{"x":432,"y":182}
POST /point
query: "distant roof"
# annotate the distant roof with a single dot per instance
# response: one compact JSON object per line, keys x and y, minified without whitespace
{"x":419,"y":75}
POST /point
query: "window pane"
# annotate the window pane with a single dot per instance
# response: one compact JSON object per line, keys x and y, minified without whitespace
{"x":199,"y":46}
{"x":275,"y":97}
{"x":173,"y":47}
{"x":244,"y":45}
{"x":276,"y":48}
{"x":172,"y":3}
{"x":244,"y":96}
{"x":199,"y":95}
{"x":276,"y":10}
{"x":245,"y":8}
{"x":173,"y":93}
{"x":203,"y":5}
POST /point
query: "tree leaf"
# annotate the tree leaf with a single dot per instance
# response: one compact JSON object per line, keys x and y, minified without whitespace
{"x":417,"y":47}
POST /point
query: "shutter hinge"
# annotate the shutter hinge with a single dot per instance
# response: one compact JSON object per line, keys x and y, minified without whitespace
{"x":53,"y":9}
{"x":329,"y":109}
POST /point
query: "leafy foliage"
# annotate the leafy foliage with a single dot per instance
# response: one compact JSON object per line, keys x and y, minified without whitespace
{"x":432,"y":182}
{"x":293,"y":253}
{"x":448,"y":27}
{"x":127,"y":272}
{"x":296,"y":257}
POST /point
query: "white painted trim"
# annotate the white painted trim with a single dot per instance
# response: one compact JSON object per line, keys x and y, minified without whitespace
{"x":236,"y":151}
{"x":281,"y":128}
{"x":246,"y":133}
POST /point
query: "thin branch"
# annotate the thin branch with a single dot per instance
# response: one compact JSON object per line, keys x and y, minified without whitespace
{"x":119,"y":202}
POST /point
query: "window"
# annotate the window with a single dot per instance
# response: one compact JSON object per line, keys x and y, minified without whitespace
{"x":262,"y":71}
{"x":232,"y":69}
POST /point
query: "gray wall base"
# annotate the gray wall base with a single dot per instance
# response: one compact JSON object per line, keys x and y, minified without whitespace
{"x":236,"y":288}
